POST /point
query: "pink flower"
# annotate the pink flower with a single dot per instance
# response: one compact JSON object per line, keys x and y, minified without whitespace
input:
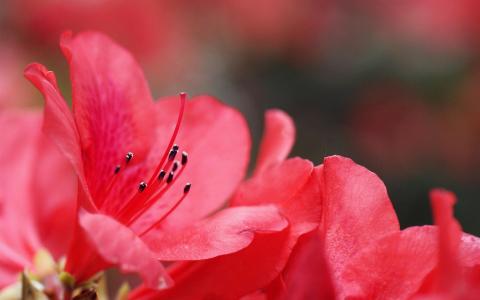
{"x":129,"y":153}
{"x":292,"y":186}
{"x":359,"y":252}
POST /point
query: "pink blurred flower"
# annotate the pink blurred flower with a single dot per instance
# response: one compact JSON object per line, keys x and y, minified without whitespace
{"x":37,"y":188}
{"x":155,"y":31}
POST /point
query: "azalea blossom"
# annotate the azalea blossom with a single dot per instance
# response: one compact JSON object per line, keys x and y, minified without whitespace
{"x":291,"y":185}
{"x":359,"y":252}
{"x":136,"y":205}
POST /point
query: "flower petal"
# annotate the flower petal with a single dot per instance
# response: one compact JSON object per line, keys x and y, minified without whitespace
{"x":293,"y":185}
{"x":19,"y":145}
{"x":228,"y":276}
{"x":53,"y":192}
{"x":449,"y":237}
{"x":120,"y":246}
{"x":356,"y":210}
{"x":255,"y":266}
{"x":217,"y":140}
{"x":469,"y":250}
{"x":30,"y":195}
{"x":391,"y":268}
{"x":228,"y":231}
{"x":58,"y":122}
{"x":458,"y":254}
{"x":112,"y":105}
{"x":277,"y":141}
{"x":306,"y":275}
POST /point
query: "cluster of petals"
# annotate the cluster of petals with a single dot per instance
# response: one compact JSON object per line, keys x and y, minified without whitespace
{"x":117,"y":141}
{"x":120,"y":180}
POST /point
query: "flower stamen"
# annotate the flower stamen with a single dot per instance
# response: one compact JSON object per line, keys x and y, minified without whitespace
{"x":165,"y":174}
{"x":184,"y":158}
{"x":186,"y":190}
{"x":142,"y":186}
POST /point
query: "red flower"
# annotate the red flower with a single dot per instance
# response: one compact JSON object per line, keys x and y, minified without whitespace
{"x":36,"y":204}
{"x":359,"y":252}
{"x":355,"y":210}
{"x":135,"y":205}
{"x":291,"y":185}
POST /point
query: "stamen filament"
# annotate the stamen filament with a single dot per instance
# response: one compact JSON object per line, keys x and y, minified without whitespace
{"x":159,"y":221}
{"x":139,"y":199}
{"x":165,"y":174}
{"x":183,"y":97}
{"x":160,"y":191}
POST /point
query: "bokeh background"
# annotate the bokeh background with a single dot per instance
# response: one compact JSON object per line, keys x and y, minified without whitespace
{"x":393,"y":84}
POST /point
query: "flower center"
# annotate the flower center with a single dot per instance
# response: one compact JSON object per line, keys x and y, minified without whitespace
{"x":148,"y":192}
{"x":46,"y":279}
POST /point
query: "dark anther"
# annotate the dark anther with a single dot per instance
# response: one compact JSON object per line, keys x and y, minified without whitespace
{"x":187,"y":187}
{"x":175,"y":147}
{"x":128,"y":157}
{"x":184,"y":158}
{"x":117,"y":169}
{"x":170,"y":177}
{"x":172,"y":154}
{"x":161,"y":175}
{"x":175,"y":166}
{"x":142,"y":186}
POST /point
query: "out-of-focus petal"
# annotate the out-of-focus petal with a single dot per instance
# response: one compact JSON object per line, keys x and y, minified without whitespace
{"x":112,"y":106}
{"x":228,"y":231}
{"x":19,"y":145}
{"x":458,"y":255}
{"x":36,"y":192}
{"x":449,"y":235}
{"x":217,"y":140}
{"x":277,"y":141}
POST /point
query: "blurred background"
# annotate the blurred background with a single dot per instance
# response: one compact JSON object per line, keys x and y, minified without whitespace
{"x":393,"y":84}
